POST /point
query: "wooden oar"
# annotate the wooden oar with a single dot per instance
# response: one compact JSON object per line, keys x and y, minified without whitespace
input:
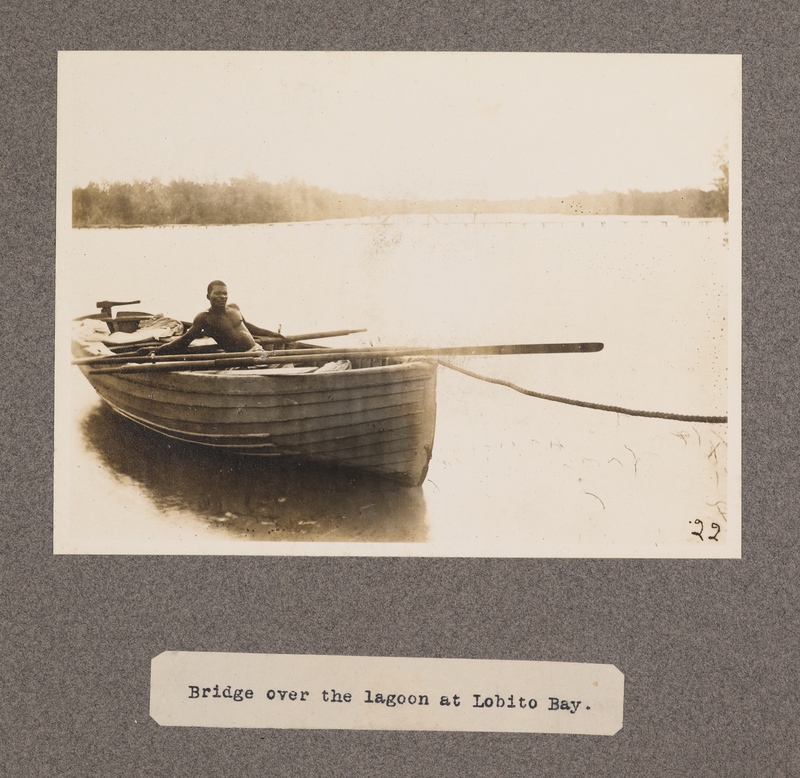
{"x":308,"y":336}
{"x":293,"y":355}
{"x":251,"y":359}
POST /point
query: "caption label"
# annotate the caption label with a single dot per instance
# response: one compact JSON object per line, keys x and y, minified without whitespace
{"x":285,"y":691}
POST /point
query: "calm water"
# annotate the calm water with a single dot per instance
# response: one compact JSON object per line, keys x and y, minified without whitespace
{"x":510,"y":475}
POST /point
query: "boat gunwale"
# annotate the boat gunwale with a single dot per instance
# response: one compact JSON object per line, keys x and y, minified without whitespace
{"x":240,"y":375}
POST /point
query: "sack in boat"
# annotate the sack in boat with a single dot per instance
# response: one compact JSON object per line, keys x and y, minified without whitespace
{"x":155,"y":328}
{"x":335,"y":367}
{"x":160,"y":321}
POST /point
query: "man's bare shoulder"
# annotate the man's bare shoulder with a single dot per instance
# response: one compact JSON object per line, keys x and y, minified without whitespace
{"x":233,"y":313}
{"x":201,"y":320}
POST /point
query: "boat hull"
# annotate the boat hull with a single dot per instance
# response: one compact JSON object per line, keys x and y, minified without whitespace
{"x":380,"y":419}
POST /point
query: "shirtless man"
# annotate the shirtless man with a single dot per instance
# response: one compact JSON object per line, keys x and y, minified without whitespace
{"x":223,"y":322}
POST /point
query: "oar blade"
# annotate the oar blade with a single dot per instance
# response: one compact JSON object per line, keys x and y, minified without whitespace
{"x":525,"y":348}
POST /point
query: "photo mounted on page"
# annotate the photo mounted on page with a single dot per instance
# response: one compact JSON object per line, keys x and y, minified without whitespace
{"x":407,"y":304}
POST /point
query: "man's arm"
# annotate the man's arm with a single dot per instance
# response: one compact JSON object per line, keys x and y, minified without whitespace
{"x":254,"y":330}
{"x":181,"y":344}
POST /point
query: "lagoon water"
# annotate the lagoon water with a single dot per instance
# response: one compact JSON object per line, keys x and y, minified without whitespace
{"x":510,"y":475}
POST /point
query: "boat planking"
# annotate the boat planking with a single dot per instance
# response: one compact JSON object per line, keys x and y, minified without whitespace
{"x":379,"y":415}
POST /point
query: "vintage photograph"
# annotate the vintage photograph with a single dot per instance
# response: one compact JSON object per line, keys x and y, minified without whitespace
{"x":398,"y":304}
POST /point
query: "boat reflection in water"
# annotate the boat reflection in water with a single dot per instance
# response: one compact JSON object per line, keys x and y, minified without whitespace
{"x":254,"y":497}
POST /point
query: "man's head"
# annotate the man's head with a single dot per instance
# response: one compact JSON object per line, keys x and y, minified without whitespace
{"x":217,"y":293}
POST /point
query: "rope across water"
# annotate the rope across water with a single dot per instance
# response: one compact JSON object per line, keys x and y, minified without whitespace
{"x":584,"y":404}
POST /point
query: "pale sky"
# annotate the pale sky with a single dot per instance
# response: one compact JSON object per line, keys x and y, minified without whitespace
{"x":411,"y":125}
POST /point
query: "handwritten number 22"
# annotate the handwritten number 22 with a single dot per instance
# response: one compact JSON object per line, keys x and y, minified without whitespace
{"x":699,"y":533}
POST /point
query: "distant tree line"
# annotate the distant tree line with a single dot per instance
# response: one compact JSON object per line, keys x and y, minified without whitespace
{"x":240,"y":201}
{"x":252,"y":201}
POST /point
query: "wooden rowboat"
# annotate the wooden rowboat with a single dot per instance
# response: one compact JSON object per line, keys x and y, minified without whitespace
{"x":377,"y":415}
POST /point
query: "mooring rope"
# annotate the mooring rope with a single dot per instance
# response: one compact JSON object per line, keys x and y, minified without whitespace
{"x":583,"y":403}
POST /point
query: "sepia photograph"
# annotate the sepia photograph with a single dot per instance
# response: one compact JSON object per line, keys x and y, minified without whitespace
{"x":398,"y":304}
